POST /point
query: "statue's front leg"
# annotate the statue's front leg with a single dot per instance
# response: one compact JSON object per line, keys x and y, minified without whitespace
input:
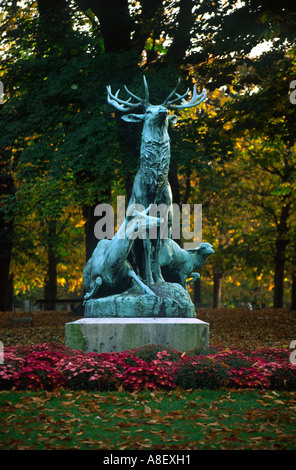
{"x":148,"y":271}
{"x":145,"y":288}
{"x":193,"y":277}
{"x":155,"y":261}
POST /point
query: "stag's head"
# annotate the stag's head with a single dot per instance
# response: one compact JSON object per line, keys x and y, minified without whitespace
{"x":156,"y":118}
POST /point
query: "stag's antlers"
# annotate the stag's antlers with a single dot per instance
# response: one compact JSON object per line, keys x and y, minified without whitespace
{"x":127,"y":105}
{"x":195,"y":100}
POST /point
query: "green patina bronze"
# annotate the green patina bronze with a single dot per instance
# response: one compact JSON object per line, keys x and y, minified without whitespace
{"x":135,"y":274}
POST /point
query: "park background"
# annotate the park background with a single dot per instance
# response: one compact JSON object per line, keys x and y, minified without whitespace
{"x":63,"y":149}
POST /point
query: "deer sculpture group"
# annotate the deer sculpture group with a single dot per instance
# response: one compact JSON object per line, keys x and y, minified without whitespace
{"x":151,"y":185}
{"x":116,"y":263}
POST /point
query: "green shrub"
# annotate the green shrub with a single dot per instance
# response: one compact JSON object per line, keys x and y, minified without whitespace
{"x":150,"y":352}
{"x":283,"y":378}
{"x":200,"y":372}
{"x":204,"y":350}
{"x":233,"y":359}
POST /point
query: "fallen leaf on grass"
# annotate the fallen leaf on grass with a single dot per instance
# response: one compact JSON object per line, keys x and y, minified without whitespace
{"x":68,"y":415}
{"x":68,"y":403}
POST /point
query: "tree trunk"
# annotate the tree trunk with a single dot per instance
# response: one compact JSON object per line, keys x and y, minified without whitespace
{"x":174,"y":182}
{"x":217,"y":289}
{"x":51,"y":284}
{"x":115,"y":21}
{"x":6,"y":284}
{"x":279,"y":270}
{"x":293,"y":292}
{"x":181,"y":41}
{"x":6,"y":241}
{"x":197,"y":293}
{"x":90,"y":239}
{"x":293,"y":283}
{"x":152,"y":13}
{"x":175,"y":187}
{"x":280,"y":257}
{"x":54,"y":25}
{"x":90,"y":220}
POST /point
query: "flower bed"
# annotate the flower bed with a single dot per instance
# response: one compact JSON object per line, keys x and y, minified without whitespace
{"x":151,"y":367}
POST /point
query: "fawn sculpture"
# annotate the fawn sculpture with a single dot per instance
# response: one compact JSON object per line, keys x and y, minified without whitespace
{"x":178,"y":264}
{"x":151,"y":185}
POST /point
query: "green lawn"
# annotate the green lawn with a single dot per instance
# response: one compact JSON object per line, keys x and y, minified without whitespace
{"x":178,"y":420}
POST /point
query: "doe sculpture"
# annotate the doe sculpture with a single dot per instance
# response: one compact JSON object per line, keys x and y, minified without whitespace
{"x":108,"y":271}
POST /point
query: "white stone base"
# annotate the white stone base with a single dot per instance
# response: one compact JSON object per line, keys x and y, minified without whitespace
{"x":121,"y":334}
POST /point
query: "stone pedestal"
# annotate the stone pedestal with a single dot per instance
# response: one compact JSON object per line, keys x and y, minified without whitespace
{"x":121,"y":334}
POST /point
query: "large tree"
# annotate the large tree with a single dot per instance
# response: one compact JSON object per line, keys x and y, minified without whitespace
{"x":258,"y":106}
{"x":59,"y":56}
